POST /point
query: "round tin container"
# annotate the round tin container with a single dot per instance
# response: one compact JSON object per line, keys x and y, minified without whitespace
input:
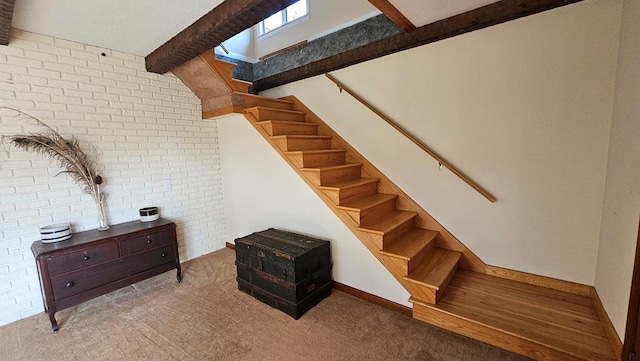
{"x":149,"y":214}
{"x":55,"y":233}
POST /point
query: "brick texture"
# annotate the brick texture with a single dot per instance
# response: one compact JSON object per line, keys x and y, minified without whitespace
{"x":145,"y":130}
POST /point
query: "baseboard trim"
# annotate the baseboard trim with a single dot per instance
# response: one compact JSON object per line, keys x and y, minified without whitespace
{"x":542,"y":281}
{"x":609,"y":329}
{"x":390,"y":305}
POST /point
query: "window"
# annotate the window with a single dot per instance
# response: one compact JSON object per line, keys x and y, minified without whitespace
{"x":283,"y":17}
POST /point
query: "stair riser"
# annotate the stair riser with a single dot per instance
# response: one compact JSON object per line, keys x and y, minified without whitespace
{"x":226,"y":70}
{"x":420,"y":256}
{"x":444,"y":285}
{"x":333,"y":176}
{"x":345,"y":195}
{"x":389,"y":237}
{"x":295,"y":144}
{"x":273,"y":114}
{"x":318,"y":160}
{"x":445,"y":268}
{"x":363,"y":215}
{"x":251,"y":102}
{"x":291,"y":129}
{"x":239,"y":86}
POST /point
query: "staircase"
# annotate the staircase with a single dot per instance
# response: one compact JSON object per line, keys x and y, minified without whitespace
{"x":352,"y":188}
{"x":450,"y":286}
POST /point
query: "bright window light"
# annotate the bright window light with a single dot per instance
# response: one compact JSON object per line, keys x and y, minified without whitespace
{"x":287,"y":15}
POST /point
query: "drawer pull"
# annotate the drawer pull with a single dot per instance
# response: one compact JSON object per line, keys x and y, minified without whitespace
{"x":86,"y":258}
{"x":70,"y":284}
{"x":164,"y":254}
{"x":149,"y":241}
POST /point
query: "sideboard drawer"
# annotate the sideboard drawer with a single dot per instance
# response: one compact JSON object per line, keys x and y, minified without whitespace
{"x":149,"y":259}
{"x":76,"y":282}
{"x":76,"y":260}
{"x":139,"y":244}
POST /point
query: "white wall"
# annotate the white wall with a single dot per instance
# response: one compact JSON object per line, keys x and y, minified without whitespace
{"x":621,"y":208}
{"x":240,"y":46}
{"x":325,"y":16}
{"x":524,"y":108}
{"x":147,"y":129}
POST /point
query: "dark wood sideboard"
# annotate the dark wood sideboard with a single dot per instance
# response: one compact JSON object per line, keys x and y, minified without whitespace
{"x":93,"y":263}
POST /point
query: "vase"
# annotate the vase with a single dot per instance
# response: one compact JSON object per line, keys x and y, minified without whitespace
{"x":102,"y":215}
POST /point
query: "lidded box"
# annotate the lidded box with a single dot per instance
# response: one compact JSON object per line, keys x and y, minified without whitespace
{"x":288,"y":271}
{"x":149,"y":214}
{"x":55,"y":233}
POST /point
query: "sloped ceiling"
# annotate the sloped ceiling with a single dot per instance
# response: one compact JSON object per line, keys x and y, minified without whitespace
{"x":131,"y":26}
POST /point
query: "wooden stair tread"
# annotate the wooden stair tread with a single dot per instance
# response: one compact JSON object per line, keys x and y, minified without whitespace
{"x":276,"y":110}
{"x":349,"y":184}
{"x":239,"y":81}
{"x":387,"y":222}
{"x":411,"y":244}
{"x":224,"y":63}
{"x":367,"y":202}
{"x":295,"y":136}
{"x":333,"y":167}
{"x":287,"y":122}
{"x":436,"y":269}
{"x":252,"y":100}
{"x":490,"y":308}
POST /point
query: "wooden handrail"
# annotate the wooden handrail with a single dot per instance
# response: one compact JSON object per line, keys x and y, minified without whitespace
{"x":441,"y":161}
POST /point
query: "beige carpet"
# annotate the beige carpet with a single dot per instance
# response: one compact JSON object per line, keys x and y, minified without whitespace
{"x":207,"y":318}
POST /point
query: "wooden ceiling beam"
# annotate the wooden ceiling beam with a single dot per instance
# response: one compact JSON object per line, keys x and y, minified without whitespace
{"x":6,"y":14}
{"x":393,"y":14}
{"x":489,"y":15}
{"x":226,"y":20}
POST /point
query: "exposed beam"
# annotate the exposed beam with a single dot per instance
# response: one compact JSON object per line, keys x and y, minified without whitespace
{"x":226,"y":20}
{"x":393,"y":14}
{"x":496,"y":13}
{"x":6,"y":14}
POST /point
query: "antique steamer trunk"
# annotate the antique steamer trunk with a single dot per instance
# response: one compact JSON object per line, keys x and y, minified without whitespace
{"x":285,"y":270}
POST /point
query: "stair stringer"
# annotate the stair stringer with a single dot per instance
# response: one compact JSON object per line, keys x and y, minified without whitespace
{"x":423,"y":219}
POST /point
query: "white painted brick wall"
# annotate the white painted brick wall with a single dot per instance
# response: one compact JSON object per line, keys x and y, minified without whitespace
{"x":146,"y":129}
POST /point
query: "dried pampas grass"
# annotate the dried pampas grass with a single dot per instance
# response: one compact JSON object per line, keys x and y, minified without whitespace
{"x":66,"y":152}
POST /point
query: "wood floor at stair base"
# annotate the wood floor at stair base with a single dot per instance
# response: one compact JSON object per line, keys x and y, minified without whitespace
{"x":488,"y":335}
